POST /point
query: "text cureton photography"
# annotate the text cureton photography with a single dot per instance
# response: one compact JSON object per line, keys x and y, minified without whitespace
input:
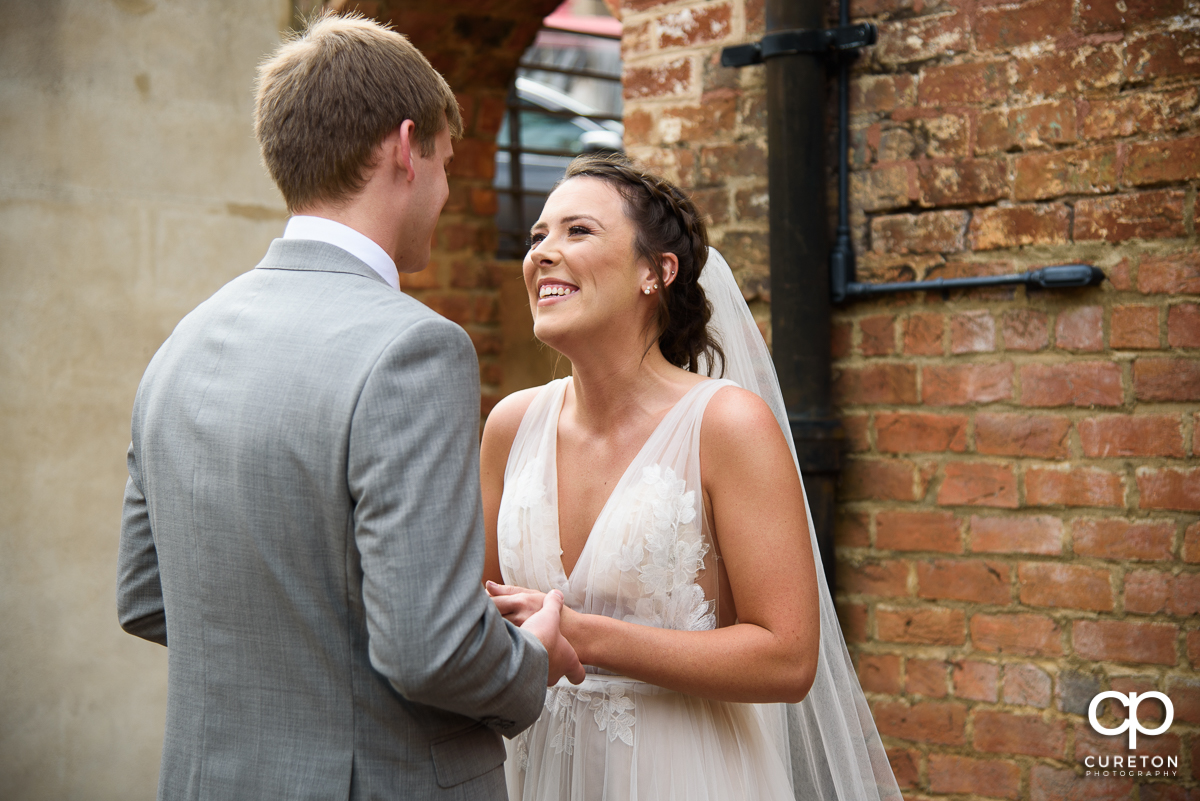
{"x":1130,"y":764}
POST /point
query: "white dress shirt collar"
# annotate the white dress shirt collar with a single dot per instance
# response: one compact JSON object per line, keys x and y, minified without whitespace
{"x":343,"y":236}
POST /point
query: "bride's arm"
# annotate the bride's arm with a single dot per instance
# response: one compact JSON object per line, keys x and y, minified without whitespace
{"x":754,"y":494}
{"x":498,"y":435}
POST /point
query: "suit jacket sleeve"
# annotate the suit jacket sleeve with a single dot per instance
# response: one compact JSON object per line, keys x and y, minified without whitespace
{"x":413,"y":473}
{"x":139,"y":590}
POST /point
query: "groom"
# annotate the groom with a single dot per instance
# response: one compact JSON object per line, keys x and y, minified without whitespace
{"x":302,"y":523}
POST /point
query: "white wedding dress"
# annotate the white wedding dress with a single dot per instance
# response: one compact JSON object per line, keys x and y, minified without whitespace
{"x":650,"y":559}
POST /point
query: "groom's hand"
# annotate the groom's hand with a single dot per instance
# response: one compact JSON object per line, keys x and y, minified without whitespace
{"x":544,"y":624}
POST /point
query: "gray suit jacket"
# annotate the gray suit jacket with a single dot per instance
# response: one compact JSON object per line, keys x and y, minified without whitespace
{"x":302,"y":527}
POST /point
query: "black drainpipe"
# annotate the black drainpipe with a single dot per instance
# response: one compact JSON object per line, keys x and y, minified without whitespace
{"x":800,"y":308}
{"x":795,"y":49}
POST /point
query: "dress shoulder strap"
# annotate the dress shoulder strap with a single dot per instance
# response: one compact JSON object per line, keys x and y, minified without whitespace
{"x":537,"y":426}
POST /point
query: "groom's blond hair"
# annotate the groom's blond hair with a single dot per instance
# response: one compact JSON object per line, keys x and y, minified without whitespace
{"x":326,"y":99}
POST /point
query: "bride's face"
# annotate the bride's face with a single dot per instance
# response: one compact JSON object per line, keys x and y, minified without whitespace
{"x":582,"y":273}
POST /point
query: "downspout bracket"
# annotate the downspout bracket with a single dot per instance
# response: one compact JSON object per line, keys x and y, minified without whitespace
{"x":794,"y":42}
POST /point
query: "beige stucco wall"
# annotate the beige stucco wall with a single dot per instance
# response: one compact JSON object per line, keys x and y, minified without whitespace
{"x":130,"y":189}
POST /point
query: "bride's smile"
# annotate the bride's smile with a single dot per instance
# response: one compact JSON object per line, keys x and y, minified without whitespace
{"x":552,"y":290}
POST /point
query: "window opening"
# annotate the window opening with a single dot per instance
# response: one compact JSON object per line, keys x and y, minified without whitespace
{"x":564,"y":100}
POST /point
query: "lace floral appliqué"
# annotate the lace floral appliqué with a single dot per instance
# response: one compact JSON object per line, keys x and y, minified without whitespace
{"x":611,"y":709}
{"x":667,"y":556}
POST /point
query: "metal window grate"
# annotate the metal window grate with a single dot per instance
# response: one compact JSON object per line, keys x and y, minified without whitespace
{"x":564,"y":100}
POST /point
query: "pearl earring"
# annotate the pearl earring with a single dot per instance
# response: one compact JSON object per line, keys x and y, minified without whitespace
{"x":645,"y":290}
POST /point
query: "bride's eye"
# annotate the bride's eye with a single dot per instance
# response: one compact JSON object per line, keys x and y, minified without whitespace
{"x":534,"y":239}
{"x":578,"y":230}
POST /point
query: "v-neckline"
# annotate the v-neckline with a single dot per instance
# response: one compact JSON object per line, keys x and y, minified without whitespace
{"x":565,"y":577}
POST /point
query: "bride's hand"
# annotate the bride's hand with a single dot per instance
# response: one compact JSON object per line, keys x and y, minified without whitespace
{"x":515,"y":603}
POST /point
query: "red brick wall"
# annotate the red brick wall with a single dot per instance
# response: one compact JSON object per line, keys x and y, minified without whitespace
{"x":1020,"y":510}
{"x":702,"y":125}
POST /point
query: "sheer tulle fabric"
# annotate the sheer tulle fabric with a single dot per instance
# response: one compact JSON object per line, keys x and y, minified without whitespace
{"x":835,"y":748}
{"x":650,"y":559}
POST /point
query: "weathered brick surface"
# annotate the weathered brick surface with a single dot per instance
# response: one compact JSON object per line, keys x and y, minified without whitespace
{"x":877,"y":335}
{"x":1116,"y":538}
{"x":1064,"y":585}
{"x":885,"y":579}
{"x":1177,"y":273}
{"x":1080,"y":329}
{"x":1073,"y":486}
{"x":914,"y":433}
{"x":920,"y":625}
{"x":1134,"y":327}
{"x":1026,"y":685}
{"x":876,"y":384}
{"x":1025,"y":329}
{"x":1013,"y":226}
{"x":1040,"y":176}
{"x":1140,"y":215}
{"x":1169,"y":488}
{"x":1045,"y":436}
{"x":941,"y":722}
{"x":957,"y":385}
{"x":879,"y":673}
{"x":962,"y":182}
{"x":877,"y":479}
{"x":1183,"y":325}
{"x":1019,"y":521}
{"x":1003,"y":26}
{"x":918,"y":531}
{"x":975,"y":681}
{"x":958,"y":580}
{"x":936,"y":232}
{"x":1027,"y":127}
{"x":1143,"y":435}
{"x":1121,"y":641}
{"x":1072,"y":384}
{"x":1167,"y":379}
{"x":1039,"y":534}
{"x":927,"y":677}
{"x":1007,"y":733}
{"x":972,"y":332}
{"x":954,"y":774}
{"x":904,"y":765}
{"x":922,"y":334}
{"x":978,"y":484}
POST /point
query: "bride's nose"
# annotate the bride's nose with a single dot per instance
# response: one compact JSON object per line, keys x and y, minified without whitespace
{"x":543,"y":253}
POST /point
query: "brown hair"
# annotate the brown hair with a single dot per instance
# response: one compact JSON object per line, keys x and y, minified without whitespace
{"x":326,"y":99}
{"x":666,"y":221}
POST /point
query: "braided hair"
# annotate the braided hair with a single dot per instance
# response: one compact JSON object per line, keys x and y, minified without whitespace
{"x":665,"y":221}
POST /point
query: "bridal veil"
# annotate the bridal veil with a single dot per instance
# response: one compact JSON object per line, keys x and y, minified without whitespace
{"x":835,"y":749}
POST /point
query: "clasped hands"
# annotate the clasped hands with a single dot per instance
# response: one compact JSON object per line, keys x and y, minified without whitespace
{"x":540,"y":613}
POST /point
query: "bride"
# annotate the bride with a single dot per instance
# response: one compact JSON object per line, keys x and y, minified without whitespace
{"x":667,"y":508}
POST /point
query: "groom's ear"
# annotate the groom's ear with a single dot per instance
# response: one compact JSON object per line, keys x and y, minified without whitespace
{"x":404,"y":147}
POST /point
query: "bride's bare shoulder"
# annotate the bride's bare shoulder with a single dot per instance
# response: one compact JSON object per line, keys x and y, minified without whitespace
{"x":733,"y":405}
{"x":505,"y":418}
{"x":737,"y":419}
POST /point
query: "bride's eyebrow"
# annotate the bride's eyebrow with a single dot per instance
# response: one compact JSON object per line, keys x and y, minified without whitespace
{"x":575,"y":217}
{"x":541,"y":225}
